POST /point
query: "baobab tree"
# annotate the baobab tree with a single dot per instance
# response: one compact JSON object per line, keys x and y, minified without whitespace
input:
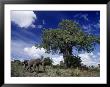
{"x":67,"y":36}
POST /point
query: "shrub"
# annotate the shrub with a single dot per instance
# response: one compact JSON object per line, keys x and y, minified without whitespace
{"x":72,"y":61}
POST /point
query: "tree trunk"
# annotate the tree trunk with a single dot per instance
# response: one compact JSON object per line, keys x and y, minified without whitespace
{"x":67,"y":52}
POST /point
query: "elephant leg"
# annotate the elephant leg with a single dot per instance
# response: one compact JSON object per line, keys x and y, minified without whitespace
{"x":44,"y":67}
{"x":29,"y":68}
{"x":38,"y":68}
{"x":34,"y":68}
{"x":25,"y":67}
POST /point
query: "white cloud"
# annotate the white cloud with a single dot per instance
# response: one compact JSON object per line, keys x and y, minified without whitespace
{"x":57,"y":58}
{"x":97,"y":25}
{"x":91,"y":28}
{"x":82,"y":16}
{"x":87,"y":27}
{"x":23,"y":19}
{"x":39,"y":26}
{"x":85,"y":16}
{"x":34,"y":52}
{"x":90,"y":58}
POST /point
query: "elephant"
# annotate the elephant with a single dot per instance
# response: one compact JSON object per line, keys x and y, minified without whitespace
{"x":25,"y":63}
{"x":32,"y":63}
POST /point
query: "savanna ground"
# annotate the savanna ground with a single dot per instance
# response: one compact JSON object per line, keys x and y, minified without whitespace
{"x":17,"y":70}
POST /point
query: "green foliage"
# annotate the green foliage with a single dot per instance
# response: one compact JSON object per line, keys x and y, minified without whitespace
{"x":16,"y":69}
{"x":72,"y":61}
{"x":68,"y":35}
{"x":58,"y":73}
{"x":48,"y":61}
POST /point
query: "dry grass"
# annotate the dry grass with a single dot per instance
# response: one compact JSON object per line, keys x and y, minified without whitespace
{"x":17,"y":70}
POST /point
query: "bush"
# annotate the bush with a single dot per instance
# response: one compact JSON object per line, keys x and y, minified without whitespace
{"x":16,"y":69}
{"x":47,"y":61}
{"x":72,"y":61}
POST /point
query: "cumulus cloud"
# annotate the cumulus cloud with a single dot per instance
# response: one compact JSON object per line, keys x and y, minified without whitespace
{"x":23,"y":19}
{"x":34,"y":52}
{"x":56,"y":58}
{"x":90,"y":58}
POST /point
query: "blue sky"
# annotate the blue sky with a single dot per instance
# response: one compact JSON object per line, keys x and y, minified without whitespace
{"x":27,"y":26}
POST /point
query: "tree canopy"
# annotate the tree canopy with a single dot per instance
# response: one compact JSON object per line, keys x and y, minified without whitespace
{"x":68,"y":34}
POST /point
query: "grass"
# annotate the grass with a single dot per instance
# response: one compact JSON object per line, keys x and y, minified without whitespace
{"x":17,"y":70}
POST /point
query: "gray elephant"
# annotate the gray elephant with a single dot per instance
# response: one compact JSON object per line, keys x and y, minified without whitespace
{"x":33,"y":63}
{"x":25,"y":63}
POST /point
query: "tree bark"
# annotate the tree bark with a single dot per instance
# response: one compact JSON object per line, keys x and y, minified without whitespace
{"x":67,"y":52}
